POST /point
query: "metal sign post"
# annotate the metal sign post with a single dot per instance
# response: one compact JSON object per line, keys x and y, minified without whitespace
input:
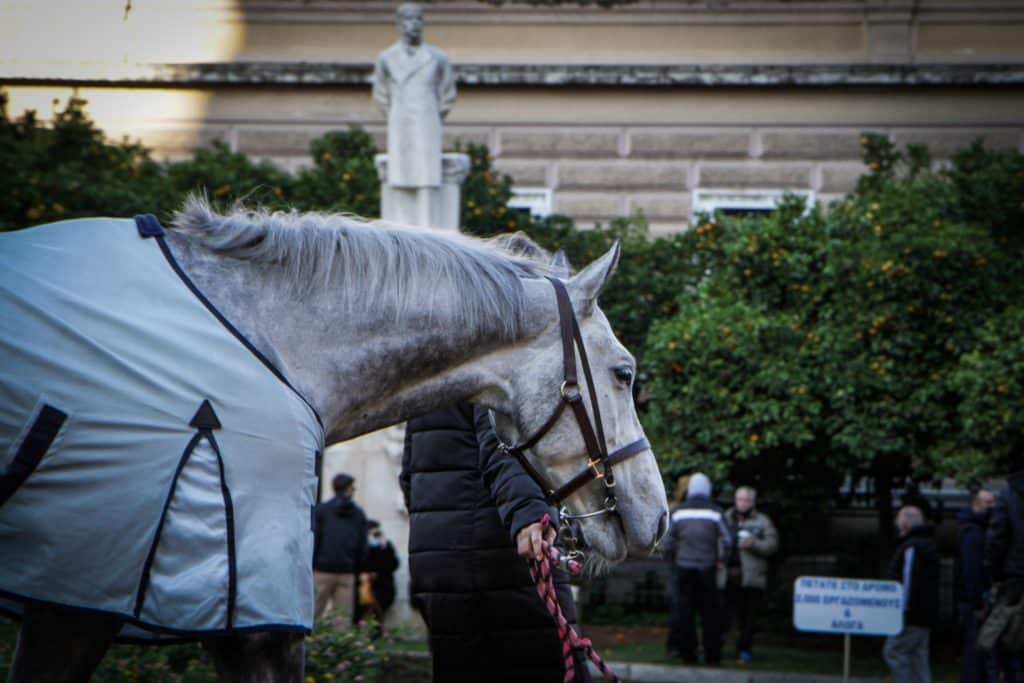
{"x":827,"y":604}
{"x":846,"y":658}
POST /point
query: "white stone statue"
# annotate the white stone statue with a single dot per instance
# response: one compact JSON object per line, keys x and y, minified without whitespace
{"x":414,"y":84}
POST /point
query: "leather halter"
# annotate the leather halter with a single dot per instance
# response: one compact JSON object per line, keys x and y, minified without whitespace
{"x":600,"y":462}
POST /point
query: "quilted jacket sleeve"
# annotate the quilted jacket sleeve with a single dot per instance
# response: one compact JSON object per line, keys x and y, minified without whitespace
{"x":405,"y":476}
{"x":519,"y":499}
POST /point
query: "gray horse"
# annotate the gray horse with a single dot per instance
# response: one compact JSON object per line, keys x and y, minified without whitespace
{"x":366,"y":325}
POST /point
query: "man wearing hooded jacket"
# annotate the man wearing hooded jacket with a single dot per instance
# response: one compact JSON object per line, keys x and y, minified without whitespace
{"x":696,"y":543}
{"x":471,"y":508}
{"x":339,"y":548}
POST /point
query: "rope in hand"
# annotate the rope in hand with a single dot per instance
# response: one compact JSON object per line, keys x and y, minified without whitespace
{"x":543,"y":580}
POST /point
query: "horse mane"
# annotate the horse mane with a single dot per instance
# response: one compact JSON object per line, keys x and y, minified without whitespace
{"x":377,"y":266}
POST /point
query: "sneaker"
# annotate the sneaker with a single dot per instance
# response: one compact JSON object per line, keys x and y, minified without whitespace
{"x":744,"y":658}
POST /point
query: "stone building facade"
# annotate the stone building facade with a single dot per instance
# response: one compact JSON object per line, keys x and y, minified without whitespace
{"x":659,"y":106}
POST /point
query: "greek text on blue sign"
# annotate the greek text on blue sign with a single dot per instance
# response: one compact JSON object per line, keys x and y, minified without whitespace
{"x":825,"y":604}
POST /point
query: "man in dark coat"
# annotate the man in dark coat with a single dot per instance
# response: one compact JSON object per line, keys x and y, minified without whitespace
{"x":972,"y":581}
{"x":339,"y":548}
{"x":1004,"y":556}
{"x":1004,"y":544}
{"x":470,"y":506}
{"x":696,"y":544}
{"x":915,"y":564}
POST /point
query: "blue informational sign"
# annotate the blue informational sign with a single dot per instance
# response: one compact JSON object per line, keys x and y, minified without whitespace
{"x":827,"y":604}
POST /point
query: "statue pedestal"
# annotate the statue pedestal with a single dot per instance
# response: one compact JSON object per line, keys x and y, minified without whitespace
{"x":434,"y":207}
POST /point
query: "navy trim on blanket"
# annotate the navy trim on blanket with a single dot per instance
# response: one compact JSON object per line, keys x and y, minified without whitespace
{"x":148,"y":225}
{"x":33,"y":447}
{"x":178,"y":635}
{"x":144,"y":579}
{"x":318,"y":468}
{"x":229,"y":519}
{"x":217,"y":314}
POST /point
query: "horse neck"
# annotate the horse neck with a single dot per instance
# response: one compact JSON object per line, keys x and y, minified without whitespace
{"x":361,"y":374}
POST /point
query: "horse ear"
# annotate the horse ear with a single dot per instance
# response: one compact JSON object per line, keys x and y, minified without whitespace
{"x":560,"y":267}
{"x":587,"y":285}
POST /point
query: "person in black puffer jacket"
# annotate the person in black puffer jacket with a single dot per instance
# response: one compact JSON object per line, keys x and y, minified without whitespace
{"x":467,"y":505}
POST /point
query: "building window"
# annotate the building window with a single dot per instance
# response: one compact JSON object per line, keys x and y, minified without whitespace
{"x":743,"y":202}
{"x":535,"y":201}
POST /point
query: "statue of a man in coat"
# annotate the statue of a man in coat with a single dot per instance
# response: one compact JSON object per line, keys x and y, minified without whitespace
{"x":414,"y":84}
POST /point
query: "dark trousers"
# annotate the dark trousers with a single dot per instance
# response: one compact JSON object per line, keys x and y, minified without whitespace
{"x":741,"y":606}
{"x":974,"y":664}
{"x":978,"y":666}
{"x":695,"y":590}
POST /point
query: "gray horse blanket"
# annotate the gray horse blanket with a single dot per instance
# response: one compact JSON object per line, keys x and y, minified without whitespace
{"x":153,"y":465}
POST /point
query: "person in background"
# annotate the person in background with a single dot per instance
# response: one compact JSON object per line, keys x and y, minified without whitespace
{"x":1004,"y":558}
{"x":379,"y":567}
{"x":915,"y":564}
{"x":754,"y":540}
{"x":972,"y":581}
{"x":695,"y":544}
{"x":339,"y":548}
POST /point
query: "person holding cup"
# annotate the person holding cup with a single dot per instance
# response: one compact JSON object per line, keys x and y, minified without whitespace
{"x":745,"y":575}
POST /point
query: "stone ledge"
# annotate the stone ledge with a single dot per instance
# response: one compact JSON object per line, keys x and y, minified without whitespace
{"x":542,"y":75}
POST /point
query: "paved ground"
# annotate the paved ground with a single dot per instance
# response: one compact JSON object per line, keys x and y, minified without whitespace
{"x":654,"y":673}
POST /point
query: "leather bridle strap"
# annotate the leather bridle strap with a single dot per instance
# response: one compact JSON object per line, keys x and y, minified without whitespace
{"x":592,"y":432}
{"x":586,"y":476}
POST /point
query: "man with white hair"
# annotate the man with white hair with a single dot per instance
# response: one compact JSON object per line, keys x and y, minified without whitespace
{"x":696,"y":543}
{"x":746,"y":575}
{"x":916,"y":565}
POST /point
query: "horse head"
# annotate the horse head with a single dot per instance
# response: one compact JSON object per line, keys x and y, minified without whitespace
{"x":572,"y":415}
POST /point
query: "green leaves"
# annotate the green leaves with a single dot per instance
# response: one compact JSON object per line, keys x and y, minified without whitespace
{"x":342,"y":177}
{"x":226,"y":177}
{"x":68,"y":170}
{"x":882,"y":329}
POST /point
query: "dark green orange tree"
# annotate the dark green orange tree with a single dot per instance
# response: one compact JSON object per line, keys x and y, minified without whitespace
{"x":872,"y":340}
{"x":68,"y":169}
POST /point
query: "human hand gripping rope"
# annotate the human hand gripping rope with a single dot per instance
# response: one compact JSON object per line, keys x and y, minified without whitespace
{"x":543,"y":579}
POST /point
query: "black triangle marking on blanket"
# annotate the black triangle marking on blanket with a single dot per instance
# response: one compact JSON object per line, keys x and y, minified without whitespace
{"x":205,"y":418}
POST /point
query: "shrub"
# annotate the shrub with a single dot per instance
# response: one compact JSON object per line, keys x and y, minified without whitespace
{"x":485,"y":195}
{"x":226,"y":178}
{"x":812,"y":346}
{"x":334,"y":652}
{"x":342,"y":178}
{"x":68,"y":170}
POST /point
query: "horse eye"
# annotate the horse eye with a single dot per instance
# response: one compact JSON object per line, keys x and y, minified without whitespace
{"x":624,"y":375}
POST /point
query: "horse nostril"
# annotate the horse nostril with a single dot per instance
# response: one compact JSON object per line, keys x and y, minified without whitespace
{"x":662,"y":526}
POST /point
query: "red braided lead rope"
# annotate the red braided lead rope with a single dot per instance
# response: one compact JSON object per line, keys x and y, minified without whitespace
{"x":543,"y":580}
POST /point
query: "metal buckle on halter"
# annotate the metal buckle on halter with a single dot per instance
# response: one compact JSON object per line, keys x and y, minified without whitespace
{"x":592,"y":464}
{"x":570,"y":391}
